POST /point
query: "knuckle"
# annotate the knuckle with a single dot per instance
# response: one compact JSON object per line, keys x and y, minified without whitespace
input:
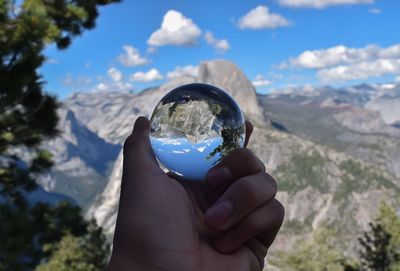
{"x":280,"y":210}
{"x":262,"y":165}
{"x":248,"y":188}
{"x":271,"y":183}
{"x":253,"y":223}
{"x":242,"y":154}
{"x":247,"y":191}
{"x":254,"y":190}
{"x":246,"y":154}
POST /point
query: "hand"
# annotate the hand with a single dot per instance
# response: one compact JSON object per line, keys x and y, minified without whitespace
{"x":164,"y":223}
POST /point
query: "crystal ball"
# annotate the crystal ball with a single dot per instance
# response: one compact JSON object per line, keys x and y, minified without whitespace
{"x":193,"y":127}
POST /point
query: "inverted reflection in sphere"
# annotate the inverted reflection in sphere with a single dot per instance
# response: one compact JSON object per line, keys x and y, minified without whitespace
{"x":193,"y":127}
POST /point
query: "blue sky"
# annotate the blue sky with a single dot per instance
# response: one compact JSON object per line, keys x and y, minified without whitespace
{"x":277,"y":43}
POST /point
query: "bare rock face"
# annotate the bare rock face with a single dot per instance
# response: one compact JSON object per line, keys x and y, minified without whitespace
{"x":389,"y":108}
{"x":227,"y":76}
{"x":104,"y":210}
{"x":365,"y":121}
{"x":81,"y":160}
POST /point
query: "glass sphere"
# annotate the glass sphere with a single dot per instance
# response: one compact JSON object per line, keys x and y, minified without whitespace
{"x":193,"y":127}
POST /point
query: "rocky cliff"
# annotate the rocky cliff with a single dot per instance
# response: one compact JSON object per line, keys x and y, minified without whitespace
{"x":229,"y":77}
{"x":82,"y":160}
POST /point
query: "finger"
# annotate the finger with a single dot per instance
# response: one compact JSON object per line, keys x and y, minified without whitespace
{"x":263,"y":224}
{"x":240,"y":199}
{"x":249,"y":131}
{"x":139,"y":159}
{"x":239,"y":163}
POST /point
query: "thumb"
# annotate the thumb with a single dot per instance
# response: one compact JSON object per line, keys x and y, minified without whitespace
{"x":139,"y":159}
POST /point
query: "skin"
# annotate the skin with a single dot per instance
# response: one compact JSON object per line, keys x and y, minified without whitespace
{"x":227,"y":222}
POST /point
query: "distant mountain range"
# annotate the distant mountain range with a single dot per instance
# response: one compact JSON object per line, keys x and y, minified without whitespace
{"x":334,"y":152}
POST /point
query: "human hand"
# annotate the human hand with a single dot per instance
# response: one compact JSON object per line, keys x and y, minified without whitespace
{"x":227,"y":222}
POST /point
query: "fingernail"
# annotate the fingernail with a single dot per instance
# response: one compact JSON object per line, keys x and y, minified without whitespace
{"x":218,"y":177}
{"x":218,"y":214}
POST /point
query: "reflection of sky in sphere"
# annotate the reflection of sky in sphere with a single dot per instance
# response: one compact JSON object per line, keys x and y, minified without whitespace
{"x":185,"y":158}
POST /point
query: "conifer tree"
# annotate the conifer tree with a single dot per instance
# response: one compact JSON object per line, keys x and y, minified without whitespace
{"x":380,"y":245}
{"x":27,"y":117}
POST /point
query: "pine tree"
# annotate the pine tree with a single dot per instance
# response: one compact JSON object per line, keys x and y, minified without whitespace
{"x":87,"y":253}
{"x":27,"y":117}
{"x":380,"y":246}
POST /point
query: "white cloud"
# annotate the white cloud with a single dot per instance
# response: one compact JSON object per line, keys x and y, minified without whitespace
{"x":182,"y":71}
{"x":341,"y":63}
{"x":115,"y":82}
{"x":260,"y":17}
{"x":260,"y":81}
{"x":201,"y":149}
{"x":338,"y":55}
{"x":101,"y":87}
{"x":131,"y":57}
{"x":149,"y":76}
{"x":321,"y":3}
{"x":176,"y":29}
{"x":115,"y":74}
{"x":113,"y":87}
{"x":80,"y":81}
{"x":375,"y":11}
{"x":362,"y":70}
{"x":177,"y":152}
{"x":220,"y":45}
{"x":397,"y":79}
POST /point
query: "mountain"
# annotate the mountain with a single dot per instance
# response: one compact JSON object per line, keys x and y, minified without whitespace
{"x":82,"y":160}
{"x":343,"y":120}
{"x":334,"y":156}
{"x":227,"y":76}
{"x":387,"y":104}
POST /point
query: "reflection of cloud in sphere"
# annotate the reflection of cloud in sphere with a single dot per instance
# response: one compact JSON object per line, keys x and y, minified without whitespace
{"x":193,"y":127}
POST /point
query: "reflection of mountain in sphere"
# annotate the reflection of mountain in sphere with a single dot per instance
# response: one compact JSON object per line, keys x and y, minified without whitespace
{"x":193,"y":127}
